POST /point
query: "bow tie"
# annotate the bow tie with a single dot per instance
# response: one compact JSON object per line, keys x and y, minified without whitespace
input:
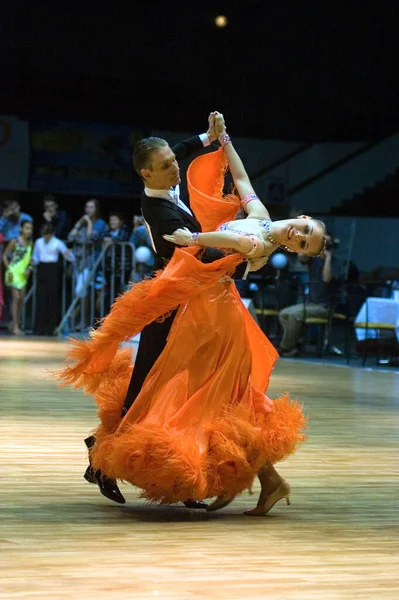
{"x":174,"y":196}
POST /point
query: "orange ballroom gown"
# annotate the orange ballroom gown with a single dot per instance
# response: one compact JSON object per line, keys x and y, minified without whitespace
{"x":202,"y":424}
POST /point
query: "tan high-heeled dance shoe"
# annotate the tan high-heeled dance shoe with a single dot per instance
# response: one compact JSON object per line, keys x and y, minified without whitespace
{"x":282,"y":491}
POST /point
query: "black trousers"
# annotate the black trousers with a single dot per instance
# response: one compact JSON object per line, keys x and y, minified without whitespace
{"x":152,"y":342}
{"x":47,"y":298}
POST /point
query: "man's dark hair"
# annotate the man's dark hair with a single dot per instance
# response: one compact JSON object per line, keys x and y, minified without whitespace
{"x":47,"y":228}
{"x":8,"y":203}
{"x":50,"y":198}
{"x":143,"y":151}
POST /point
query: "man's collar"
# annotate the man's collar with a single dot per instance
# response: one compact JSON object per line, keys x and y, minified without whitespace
{"x":172,"y":194}
{"x":158,"y":193}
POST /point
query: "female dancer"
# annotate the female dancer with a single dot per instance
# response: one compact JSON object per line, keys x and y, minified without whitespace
{"x":18,"y":270}
{"x":257,"y":236}
{"x":202,"y":425}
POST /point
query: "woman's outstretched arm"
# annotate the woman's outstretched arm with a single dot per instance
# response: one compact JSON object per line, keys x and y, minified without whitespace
{"x":251,"y":203}
{"x":217,"y":239}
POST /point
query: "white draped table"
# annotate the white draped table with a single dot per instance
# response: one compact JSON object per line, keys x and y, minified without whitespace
{"x":377,"y":310}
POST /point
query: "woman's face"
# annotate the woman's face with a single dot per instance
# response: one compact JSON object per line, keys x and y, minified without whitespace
{"x":303,"y":235}
{"x":114,"y":223}
{"x":27,"y":230}
{"x":90,"y":209}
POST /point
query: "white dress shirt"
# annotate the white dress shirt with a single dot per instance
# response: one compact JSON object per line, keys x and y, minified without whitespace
{"x":173,"y":195}
{"x":48,"y":252}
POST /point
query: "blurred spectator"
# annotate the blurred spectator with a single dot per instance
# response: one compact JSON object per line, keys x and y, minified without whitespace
{"x":118,"y":260}
{"x":16,"y":259}
{"x":352,"y":293}
{"x":117,"y":230}
{"x":11,"y":219}
{"x":45,"y":255}
{"x":1,"y":278}
{"x":142,"y":241}
{"x":318,"y":301}
{"x":90,"y":227}
{"x":58,"y":218}
{"x":140,"y":235}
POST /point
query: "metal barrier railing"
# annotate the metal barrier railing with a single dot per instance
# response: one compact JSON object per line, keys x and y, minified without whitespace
{"x":100,"y":273}
{"x":29,"y":307}
{"x":89,"y":286}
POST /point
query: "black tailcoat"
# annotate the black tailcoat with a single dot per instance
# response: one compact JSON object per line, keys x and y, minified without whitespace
{"x":164,"y":217}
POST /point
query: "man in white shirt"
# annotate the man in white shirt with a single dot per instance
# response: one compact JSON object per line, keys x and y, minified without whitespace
{"x":45,"y":255}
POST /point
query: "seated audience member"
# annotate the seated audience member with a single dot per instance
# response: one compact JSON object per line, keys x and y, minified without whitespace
{"x":45,"y":256}
{"x":58,"y":218}
{"x":318,"y":301}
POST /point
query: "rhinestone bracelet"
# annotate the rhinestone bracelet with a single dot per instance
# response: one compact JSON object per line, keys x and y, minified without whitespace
{"x":248,"y":198}
{"x":194,"y":239}
{"x":224,"y":139}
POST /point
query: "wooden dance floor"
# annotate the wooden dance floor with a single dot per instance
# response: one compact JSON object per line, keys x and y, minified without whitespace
{"x":61,"y":539}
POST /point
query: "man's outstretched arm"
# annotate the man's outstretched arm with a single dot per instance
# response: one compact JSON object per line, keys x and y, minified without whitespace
{"x":187,"y":147}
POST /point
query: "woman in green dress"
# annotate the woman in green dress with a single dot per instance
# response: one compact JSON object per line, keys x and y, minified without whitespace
{"x":17,"y":258}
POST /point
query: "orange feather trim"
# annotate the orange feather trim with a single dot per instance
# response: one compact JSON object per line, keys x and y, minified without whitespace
{"x":171,"y":465}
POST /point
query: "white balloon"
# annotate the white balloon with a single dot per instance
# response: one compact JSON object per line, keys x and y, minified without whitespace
{"x":143,"y":255}
{"x":279,"y":261}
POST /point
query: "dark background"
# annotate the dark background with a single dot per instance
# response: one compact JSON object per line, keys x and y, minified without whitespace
{"x":291,"y":70}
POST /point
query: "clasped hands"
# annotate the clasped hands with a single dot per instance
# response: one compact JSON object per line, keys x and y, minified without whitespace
{"x":216,"y":125}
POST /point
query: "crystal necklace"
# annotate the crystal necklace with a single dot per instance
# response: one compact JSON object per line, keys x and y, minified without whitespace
{"x":266,"y":224}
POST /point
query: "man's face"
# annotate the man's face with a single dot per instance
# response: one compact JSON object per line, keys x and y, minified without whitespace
{"x":14,"y":210}
{"x":50,"y":206}
{"x":164,"y":172}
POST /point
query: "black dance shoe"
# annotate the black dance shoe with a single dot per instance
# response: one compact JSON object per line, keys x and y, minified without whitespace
{"x":195,"y":504}
{"x":108,"y":487}
{"x":90,"y":475}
